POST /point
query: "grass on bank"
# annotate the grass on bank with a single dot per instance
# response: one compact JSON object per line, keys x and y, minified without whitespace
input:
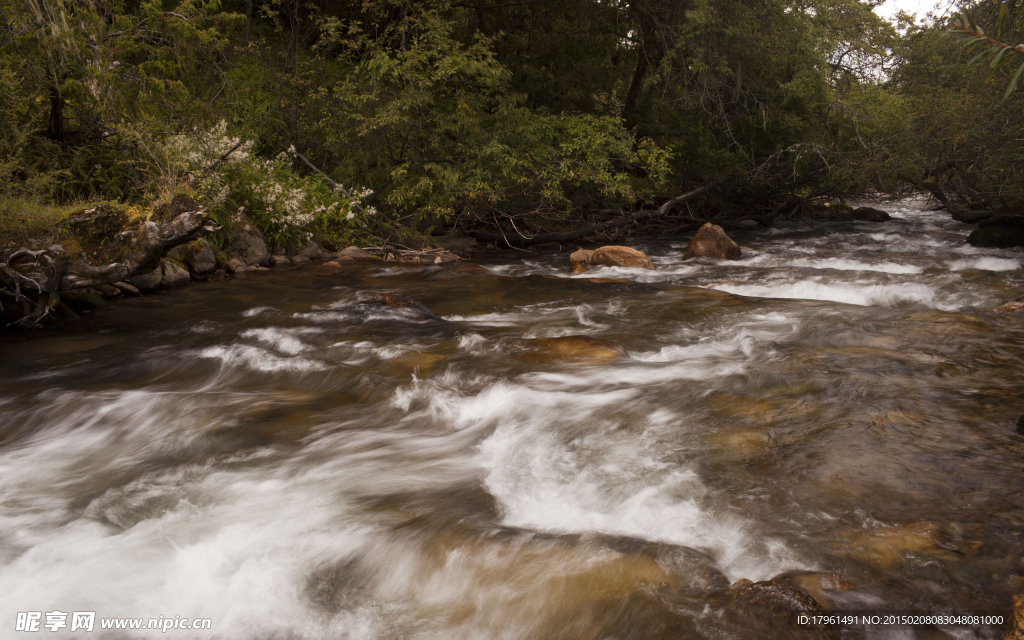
{"x":33,"y":225}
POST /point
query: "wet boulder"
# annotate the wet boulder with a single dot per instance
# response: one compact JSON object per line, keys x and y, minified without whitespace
{"x":280,"y":261}
{"x":198,"y":256}
{"x":247,"y":244}
{"x":175,"y":274}
{"x":817,"y":584}
{"x":235,"y":265}
{"x":710,"y":241}
{"x":127,"y":289}
{"x":777,"y":609}
{"x":328,"y":268}
{"x":999,"y":232}
{"x":580,"y":347}
{"x":355,"y":253}
{"x":869,"y":214}
{"x":108,"y":291}
{"x":312,"y":251}
{"x":618,"y":256}
{"x":148,"y":281}
{"x":581,"y":256}
{"x":82,"y":300}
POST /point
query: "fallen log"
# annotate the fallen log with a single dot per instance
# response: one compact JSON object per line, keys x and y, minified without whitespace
{"x":31,"y":280}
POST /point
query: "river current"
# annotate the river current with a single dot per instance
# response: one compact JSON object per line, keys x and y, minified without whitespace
{"x":273,"y":455}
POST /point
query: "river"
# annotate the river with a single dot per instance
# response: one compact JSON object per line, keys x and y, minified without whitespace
{"x":273,"y":455}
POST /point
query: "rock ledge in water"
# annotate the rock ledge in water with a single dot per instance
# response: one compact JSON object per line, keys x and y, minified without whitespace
{"x":999,"y":232}
{"x":870,"y":214}
{"x":710,"y":241}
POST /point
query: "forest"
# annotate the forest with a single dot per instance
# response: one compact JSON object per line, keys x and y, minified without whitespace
{"x":389,"y":121}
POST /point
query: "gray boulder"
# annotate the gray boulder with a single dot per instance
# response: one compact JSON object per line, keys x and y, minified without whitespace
{"x":197,"y":255}
{"x":175,"y":274}
{"x":149,"y":280}
{"x":247,"y":244}
{"x":354,"y":252}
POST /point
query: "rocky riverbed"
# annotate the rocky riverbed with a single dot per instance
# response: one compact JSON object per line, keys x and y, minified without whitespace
{"x":704,"y":449}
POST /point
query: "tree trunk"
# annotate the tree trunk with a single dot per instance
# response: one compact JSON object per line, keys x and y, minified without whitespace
{"x":248,"y":19}
{"x":55,"y":126}
{"x":645,"y":50}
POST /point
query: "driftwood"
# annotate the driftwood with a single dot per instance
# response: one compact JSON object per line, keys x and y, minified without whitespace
{"x":31,"y":281}
{"x":568,"y":236}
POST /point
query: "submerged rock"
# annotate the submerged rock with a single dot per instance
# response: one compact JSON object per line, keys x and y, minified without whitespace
{"x":410,"y":308}
{"x":580,"y":347}
{"x":816,"y":584}
{"x":618,"y":256}
{"x":710,"y":241}
{"x":870,"y":214}
{"x":1011,"y":306}
{"x":328,"y":269}
{"x":881,"y":548}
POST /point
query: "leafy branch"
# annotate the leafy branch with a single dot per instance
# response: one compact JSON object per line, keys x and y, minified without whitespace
{"x":998,"y":51}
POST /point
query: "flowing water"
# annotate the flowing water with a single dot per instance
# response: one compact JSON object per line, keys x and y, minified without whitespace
{"x":276,"y":456}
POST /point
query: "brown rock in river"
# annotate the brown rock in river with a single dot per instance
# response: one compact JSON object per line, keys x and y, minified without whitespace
{"x":710,"y":241}
{"x":327,"y":269}
{"x":1016,"y":626}
{"x":816,"y":584}
{"x":355,"y":253}
{"x":581,"y":346}
{"x":883,"y":547}
{"x":777,"y":607}
{"x":1010,"y":306}
{"x":581,"y":256}
{"x":616,"y":256}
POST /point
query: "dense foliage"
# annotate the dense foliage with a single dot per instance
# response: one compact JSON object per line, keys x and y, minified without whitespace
{"x":356,"y":120}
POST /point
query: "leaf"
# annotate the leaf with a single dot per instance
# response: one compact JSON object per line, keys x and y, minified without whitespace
{"x":975,"y":58}
{"x":997,"y":61}
{"x":1003,"y":8}
{"x":1013,"y":81}
{"x":1001,"y":58}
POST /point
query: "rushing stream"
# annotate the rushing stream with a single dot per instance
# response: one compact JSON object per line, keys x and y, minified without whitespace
{"x":273,"y":455}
